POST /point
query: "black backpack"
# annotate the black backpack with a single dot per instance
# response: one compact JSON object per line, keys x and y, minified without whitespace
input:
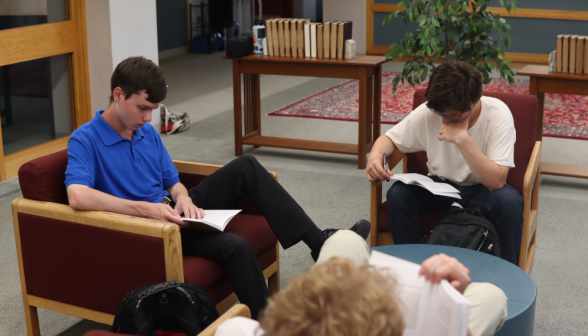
{"x":170,"y":306}
{"x":465,"y":228}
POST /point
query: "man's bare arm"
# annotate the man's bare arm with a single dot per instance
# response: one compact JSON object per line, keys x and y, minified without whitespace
{"x":184,"y":204}
{"x":375,"y":168}
{"x":82,"y":197}
{"x":488,"y":172}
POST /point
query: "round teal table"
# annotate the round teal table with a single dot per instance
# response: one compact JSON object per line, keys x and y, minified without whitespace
{"x":518,"y":286}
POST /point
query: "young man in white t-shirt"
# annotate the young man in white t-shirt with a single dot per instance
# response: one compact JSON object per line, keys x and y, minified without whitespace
{"x":469,"y":140}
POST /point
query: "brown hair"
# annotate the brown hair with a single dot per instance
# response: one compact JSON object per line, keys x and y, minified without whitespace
{"x":335,"y":298}
{"x":454,"y":85}
{"x":136,"y":74}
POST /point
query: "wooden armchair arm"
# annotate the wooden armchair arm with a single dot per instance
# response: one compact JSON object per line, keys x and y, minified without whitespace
{"x":169,"y":232}
{"x":530,"y":208}
{"x":376,"y":196}
{"x":203,"y":168}
{"x":533,"y":171}
{"x":237,"y":310}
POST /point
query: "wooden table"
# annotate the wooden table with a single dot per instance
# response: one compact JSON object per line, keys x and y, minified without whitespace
{"x":368,"y":69}
{"x":543,"y":81}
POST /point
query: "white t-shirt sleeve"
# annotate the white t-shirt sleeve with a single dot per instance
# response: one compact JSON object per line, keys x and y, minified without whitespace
{"x":239,"y":326}
{"x":501,"y":146}
{"x":408,"y":134}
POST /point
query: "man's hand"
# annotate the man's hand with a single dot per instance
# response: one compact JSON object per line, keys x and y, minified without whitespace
{"x":163,"y":212}
{"x":441,"y":266}
{"x":375,"y":168}
{"x":185,"y":206}
{"x":455,"y":131}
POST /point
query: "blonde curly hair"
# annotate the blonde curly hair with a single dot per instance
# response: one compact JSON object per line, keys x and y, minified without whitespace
{"x":335,"y":298}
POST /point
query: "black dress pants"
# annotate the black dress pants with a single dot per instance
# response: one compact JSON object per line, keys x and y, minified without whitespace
{"x":226,"y":189}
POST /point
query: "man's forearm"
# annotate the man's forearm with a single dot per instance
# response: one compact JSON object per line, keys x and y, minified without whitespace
{"x":178,"y":190}
{"x":488,"y":172}
{"x":85,"y":198}
{"x":383,"y":145}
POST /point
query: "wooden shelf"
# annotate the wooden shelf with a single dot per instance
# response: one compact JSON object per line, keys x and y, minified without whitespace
{"x":318,"y":146}
{"x":564,"y":170}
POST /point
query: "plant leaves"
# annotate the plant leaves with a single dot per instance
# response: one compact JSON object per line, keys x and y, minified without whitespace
{"x":426,"y":33}
{"x":424,"y":74}
{"x":451,"y":10}
{"x":507,"y":61}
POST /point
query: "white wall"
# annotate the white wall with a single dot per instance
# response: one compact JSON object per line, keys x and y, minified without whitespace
{"x":118,"y":29}
{"x":352,"y":10}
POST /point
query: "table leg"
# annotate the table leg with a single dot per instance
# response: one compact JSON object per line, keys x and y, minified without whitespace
{"x":370,"y":111}
{"x":540,"y":114}
{"x":540,"y":106}
{"x":363,"y":98}
{"x":237,"y":108}
{"x":377,"y":122}
{"x":252,"y":115}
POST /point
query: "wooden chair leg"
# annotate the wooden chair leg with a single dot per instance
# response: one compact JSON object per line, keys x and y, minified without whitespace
{"x":273,"y":283}
{"x":32,"y":320}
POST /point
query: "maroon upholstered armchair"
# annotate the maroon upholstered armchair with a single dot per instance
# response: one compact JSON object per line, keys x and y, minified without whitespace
{"x":524,"y":177}
{"x":82,"y":263}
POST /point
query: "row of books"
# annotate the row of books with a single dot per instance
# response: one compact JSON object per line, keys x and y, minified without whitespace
{"x":302,"y":38}
{"x":572,"y":54}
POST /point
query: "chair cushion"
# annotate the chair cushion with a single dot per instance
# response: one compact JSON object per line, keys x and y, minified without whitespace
{"x":207,"y":273}
{"x":43,"y":179}
{"x":524,"y":111}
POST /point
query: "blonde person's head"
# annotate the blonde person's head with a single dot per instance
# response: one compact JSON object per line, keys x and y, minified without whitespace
{"x":335,"y":298}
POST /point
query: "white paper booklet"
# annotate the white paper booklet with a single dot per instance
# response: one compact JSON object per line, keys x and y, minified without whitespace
{"x":429,"y":309}
{"x":437,"y":188}
{"x":214,"y":220}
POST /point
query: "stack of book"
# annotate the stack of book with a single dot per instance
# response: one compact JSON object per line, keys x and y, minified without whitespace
{"x":302,"y":38}
{"x":572,"y":54}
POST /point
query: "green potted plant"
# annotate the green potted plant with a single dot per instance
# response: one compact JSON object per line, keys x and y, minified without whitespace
{"x":454,"y":30}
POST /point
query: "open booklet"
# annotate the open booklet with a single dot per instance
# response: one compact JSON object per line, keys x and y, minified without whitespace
{"x":429,"y":309}
{"x":214,"y":220}
{"x":437,"y":188}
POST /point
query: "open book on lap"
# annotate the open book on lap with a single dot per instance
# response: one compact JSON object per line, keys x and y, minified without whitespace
{"x":436,"y":188}
{"x":429,"y":309}
{"x":214,"y":220}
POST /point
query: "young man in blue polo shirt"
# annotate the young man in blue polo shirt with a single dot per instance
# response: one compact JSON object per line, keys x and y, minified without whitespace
{"x":118,"y":163}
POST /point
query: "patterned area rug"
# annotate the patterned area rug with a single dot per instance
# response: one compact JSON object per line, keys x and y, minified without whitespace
{"x":566,"y":116}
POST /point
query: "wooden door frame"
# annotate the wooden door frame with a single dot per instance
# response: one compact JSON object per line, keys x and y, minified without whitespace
{"x":46,"y":40}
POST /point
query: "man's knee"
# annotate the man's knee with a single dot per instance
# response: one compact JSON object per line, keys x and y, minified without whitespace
{"x":247,"y":159}
{"x":235,"y":244}
{"x":399,"y":193}
{"x":507,"y":198}
{"x":489,"y":308}
{"x":346,"y":244}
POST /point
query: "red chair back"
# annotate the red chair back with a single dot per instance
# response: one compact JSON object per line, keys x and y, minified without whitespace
{"x":524,"y":110}
{"x":43,"y":179}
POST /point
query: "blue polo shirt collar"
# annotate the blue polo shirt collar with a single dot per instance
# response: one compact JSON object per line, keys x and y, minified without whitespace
{"x":108,"y":134}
